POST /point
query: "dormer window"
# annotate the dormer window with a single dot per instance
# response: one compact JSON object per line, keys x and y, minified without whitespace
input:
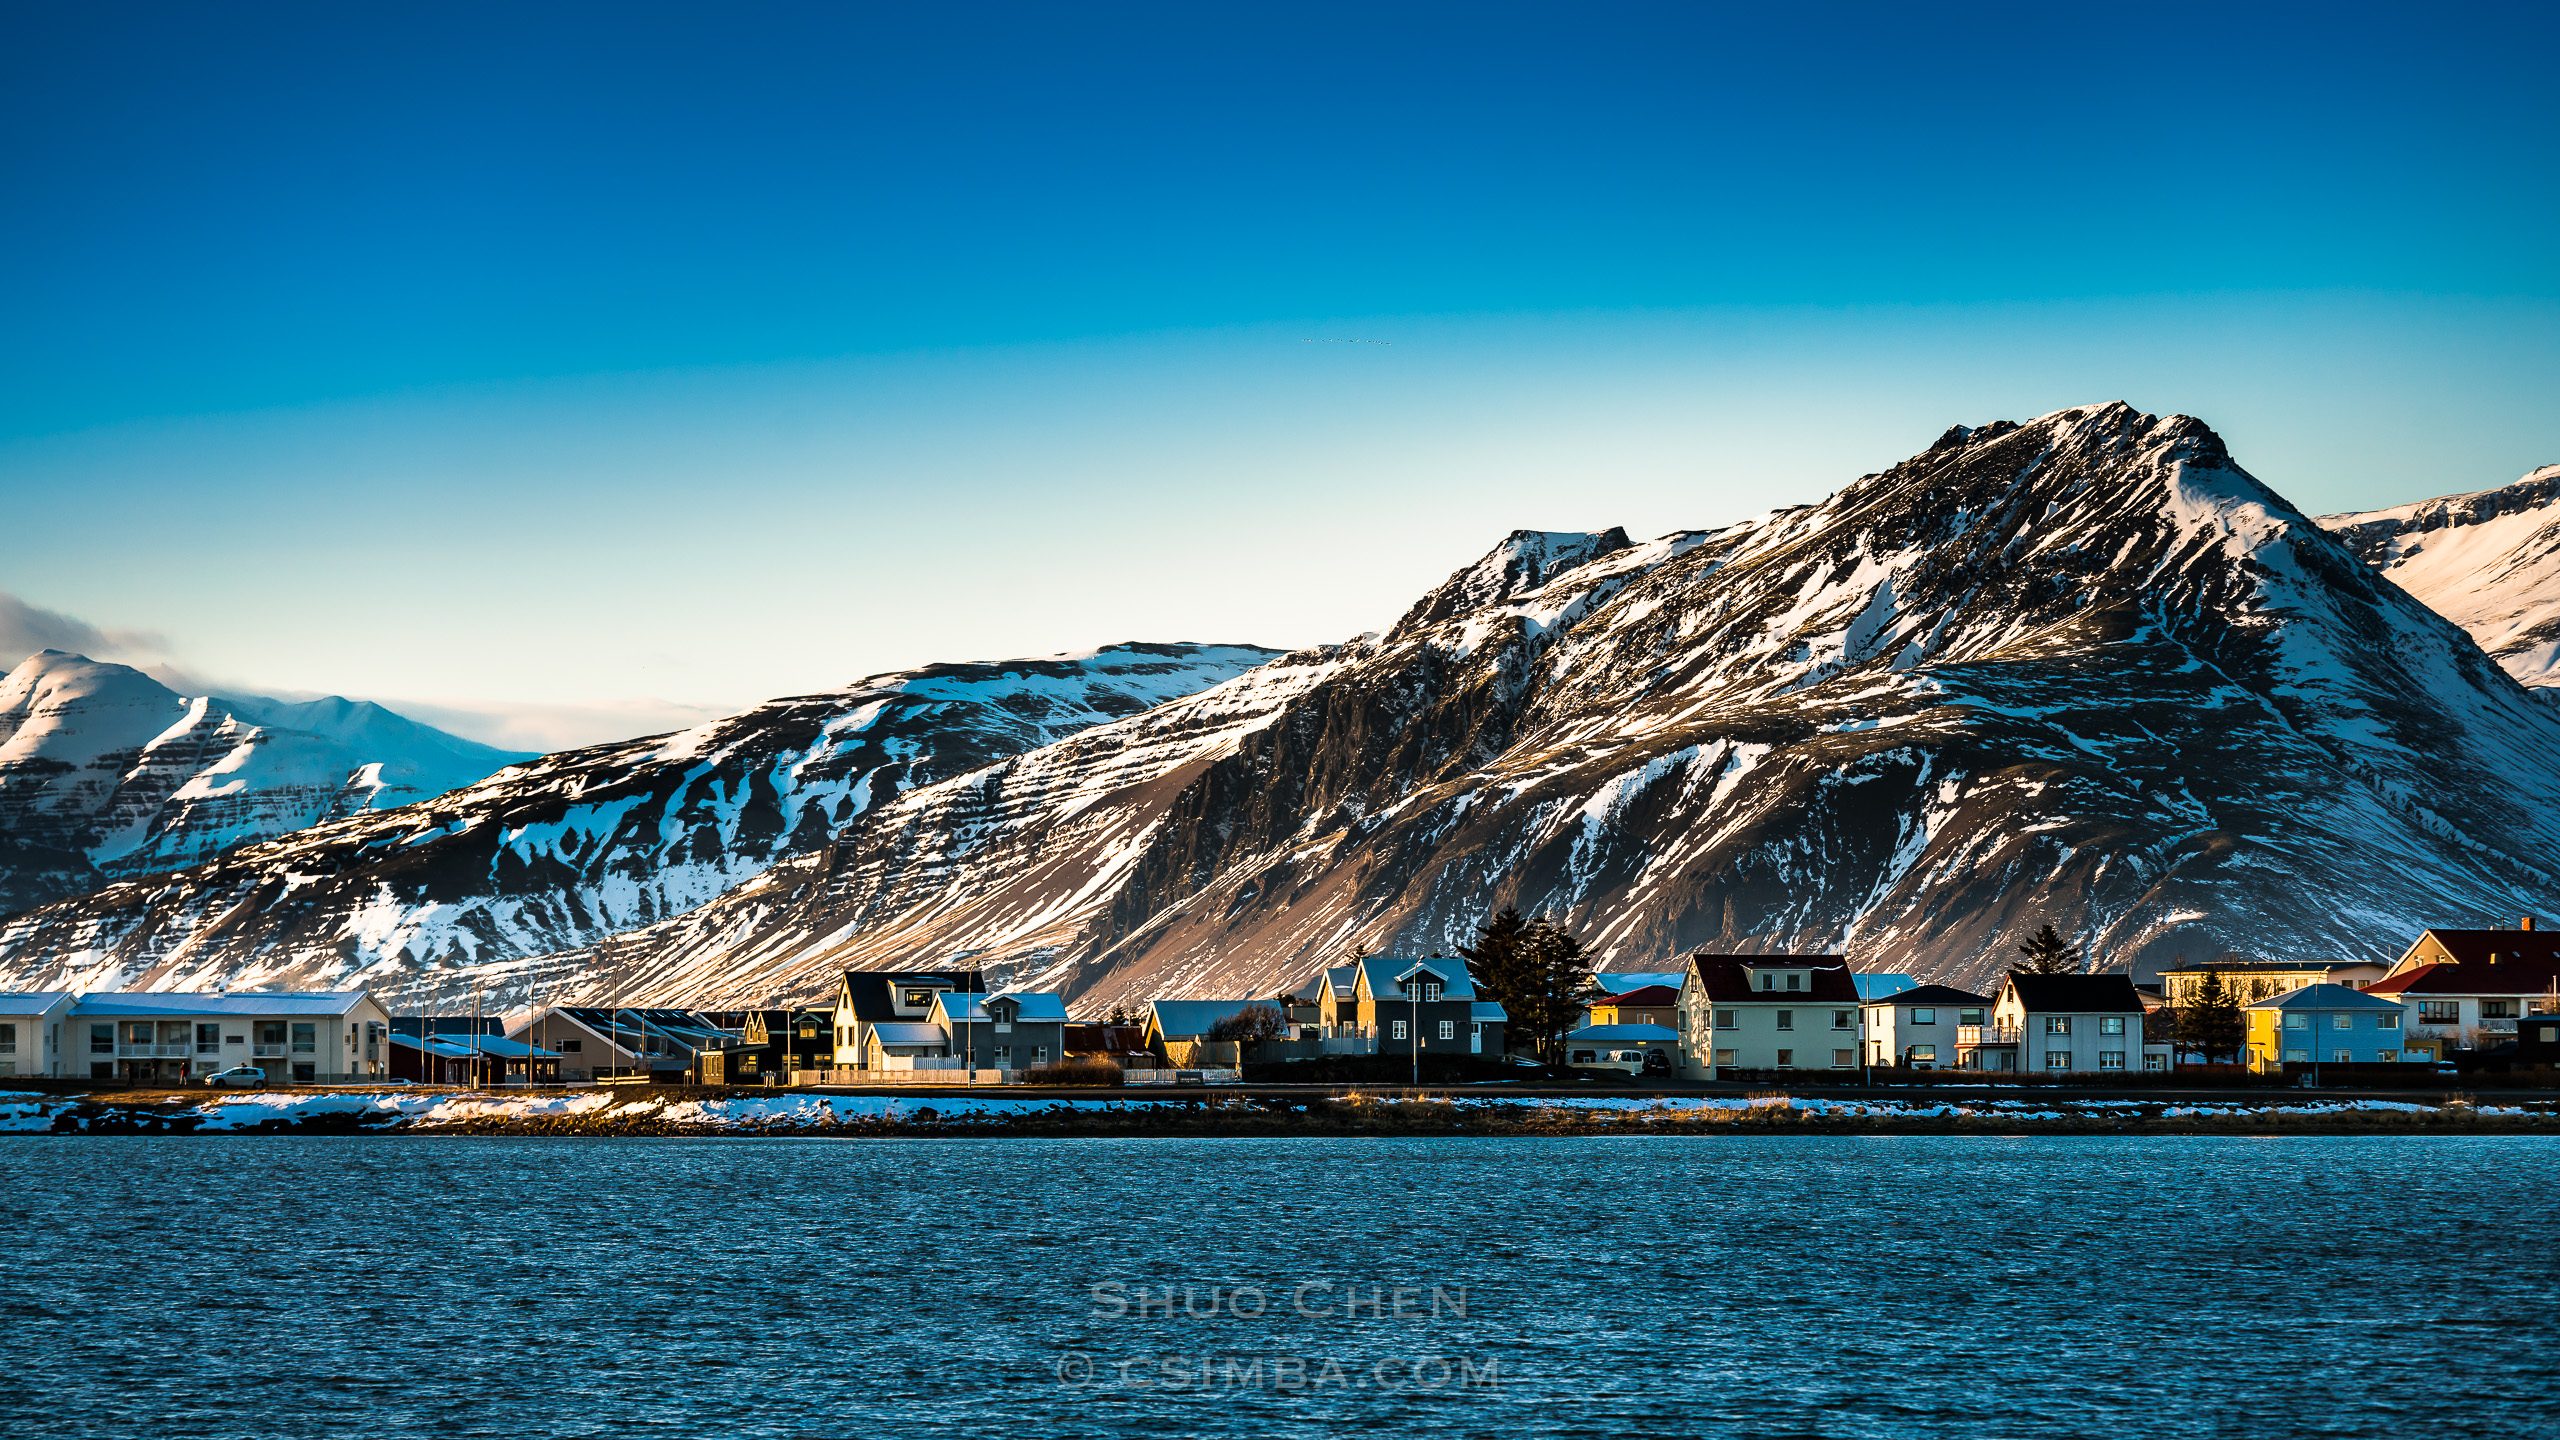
{"x":1430,"y":990}
{"x":1794,"y":981}
{"x":1768,"y":982}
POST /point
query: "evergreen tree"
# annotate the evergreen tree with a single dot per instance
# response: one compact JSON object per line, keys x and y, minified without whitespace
{"x":1557,"y":984}
{"x":2048,"y":954}
{"x":2210,"y":1023}
{"x":1498,"y":958}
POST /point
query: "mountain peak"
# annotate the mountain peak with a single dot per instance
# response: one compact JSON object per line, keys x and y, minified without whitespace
{"x":1524,"y":561}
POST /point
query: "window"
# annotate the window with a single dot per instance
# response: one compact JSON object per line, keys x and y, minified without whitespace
{"x":1395,"y":1029}
{"x":1725,"y":1057}
{"x":1430,"y":990}
{"x":2110,"y":1059}
{"x":2388,"y":1057}
{"x":1768,"y":982}
{"x":102,"y":1041}
{"x":1968,"y":1017}
{"x":2343,"y":1057}
{"x":2297,"y":1057}
{"x":306,"y":1037}
{"x":2297,"y":1022}
{"x":208,"y":1039}
{"x":2389,"y":1021}
{"x":1795,"y":982}
{"x":1786,"y":1019}
{"x":1923,"y":1015}
{"x":569,"y":1047}
{"x":2057,"y":1024}
{"x":138,"y":1033}
{"x":1040,"y":1054}
{"x":8,"y":1039}
{"x":2110,"y":1024}
{"x":1786,"y":1059}
{"x":1844,"y":1059}
{"x":2439,"y":1012}
{"x":2155,"y":1062}
{"x":2057,"y":1059}
{"x":305,"y":1070}
{"x":1924,"y":1053}
{"x":1448,"y":1029}
{"x":919,"y":999}
{"x":1727,"y":1020}
{"x":1004,"y":1057}
{"x":2497,"y":1009}
{"x":1844,"y":1019}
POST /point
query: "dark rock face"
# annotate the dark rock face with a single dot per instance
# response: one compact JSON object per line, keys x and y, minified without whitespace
{"x":563,"y":851}
{"x":2082,"y":670}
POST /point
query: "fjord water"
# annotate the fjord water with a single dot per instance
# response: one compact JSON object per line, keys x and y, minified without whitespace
{"x":1718,"y":1285}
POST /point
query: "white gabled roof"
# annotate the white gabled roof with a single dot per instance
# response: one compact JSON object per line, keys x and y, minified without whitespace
{"x":226,"y":1002}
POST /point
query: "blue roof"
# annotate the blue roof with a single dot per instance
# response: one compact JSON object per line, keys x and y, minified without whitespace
{"x":1383,"y":971}
{"x":1619,"y":982}
{"x":1489,"y":1012}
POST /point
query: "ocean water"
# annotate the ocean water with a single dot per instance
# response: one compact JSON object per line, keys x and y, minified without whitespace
{"x":1724,"y":1285}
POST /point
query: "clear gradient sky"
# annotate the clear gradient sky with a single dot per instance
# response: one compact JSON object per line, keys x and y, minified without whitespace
{"x":560,"y":372}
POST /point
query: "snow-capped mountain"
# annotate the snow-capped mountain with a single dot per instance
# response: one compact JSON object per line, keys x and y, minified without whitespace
{"x":2488,"y":561}
{"x":105,"y":771}
{"x":562,"y":851}
{"x":2084,"y":670}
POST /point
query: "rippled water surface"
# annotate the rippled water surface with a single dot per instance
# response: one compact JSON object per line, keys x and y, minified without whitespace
{"x":1718,"y":1285}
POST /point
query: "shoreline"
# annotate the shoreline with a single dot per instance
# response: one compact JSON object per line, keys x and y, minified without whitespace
{"x":1334,"y":1115}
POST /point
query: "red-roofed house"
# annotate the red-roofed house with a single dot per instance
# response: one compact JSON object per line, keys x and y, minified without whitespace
{"x":2467,"y":988}
{"x":1768,"y":1012}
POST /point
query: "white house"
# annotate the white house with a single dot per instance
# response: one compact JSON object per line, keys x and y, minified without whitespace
{"x":2466,"y":989}
{"x":866,"y":999}
{"x":31,"y":1036}
{"x":171,"y":1036}
{"x":1916,"y":1027}
{"x":2062,"y":1025}
{"x":1768,"y":1012}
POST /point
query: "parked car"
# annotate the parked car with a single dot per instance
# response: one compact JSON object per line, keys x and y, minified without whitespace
{"x":237,"y":1075}
{"x":1628,"y":1062}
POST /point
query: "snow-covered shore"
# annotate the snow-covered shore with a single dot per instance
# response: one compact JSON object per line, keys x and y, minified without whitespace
{"x":605,"y":1113}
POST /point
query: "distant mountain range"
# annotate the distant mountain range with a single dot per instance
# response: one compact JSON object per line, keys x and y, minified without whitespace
{"x":2083,"y":670}
{"x":2488,"y":561}
{"x":106,"y":772}
{"x":562,"y":851}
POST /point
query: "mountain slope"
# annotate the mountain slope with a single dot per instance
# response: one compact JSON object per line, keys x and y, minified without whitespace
{"x":106,"y":772}
{"x":2488,"y":561}
{"x":562,"y":851}
{"x":2084,"y":669}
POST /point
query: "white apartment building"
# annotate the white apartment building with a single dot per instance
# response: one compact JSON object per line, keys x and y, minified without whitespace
{"x":171,"y":1037}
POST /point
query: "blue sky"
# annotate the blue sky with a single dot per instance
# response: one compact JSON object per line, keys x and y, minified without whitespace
{"x":564,"y":371}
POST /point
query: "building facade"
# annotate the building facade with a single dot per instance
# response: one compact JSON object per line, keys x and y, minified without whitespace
{"x":172,"y":1037}
{"x":2325,"y":1025}
{"x":1768,"y":1012}
{"x":31,"y":1032}
{"x":2055,"y":1025}
{"x":1916,"y":1028}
